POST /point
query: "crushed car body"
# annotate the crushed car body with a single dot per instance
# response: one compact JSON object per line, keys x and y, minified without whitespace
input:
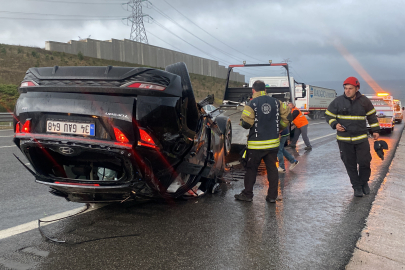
{"x":106,"y":134}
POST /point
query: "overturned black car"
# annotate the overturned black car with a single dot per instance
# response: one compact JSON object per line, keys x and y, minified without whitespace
{"x":105,"y":134}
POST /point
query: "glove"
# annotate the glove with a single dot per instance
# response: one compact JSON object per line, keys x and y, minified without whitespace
{"x":379,"y":147}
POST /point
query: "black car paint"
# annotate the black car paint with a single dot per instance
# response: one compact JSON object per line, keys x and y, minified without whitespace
{"x":143,"y":171}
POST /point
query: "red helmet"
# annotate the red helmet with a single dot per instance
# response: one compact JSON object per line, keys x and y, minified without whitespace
{"x":352,"y":81}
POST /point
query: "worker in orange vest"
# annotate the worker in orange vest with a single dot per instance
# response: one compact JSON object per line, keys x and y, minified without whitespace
{"x":301,"y":122}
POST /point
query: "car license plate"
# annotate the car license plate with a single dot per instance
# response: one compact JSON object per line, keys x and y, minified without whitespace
{"x":70,"y":127}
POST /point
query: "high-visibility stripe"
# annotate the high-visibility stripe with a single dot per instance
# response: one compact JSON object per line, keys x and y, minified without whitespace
{"x":244,"y":154}
{"x":371,"y":112}
{"x":246,"y":112}
{"x":263,"y":93}
{"x":331,"y":121}
{"x":340,"y":138}
{"x":330,"y":114}
{"x":282,"y":123}
{"x":265,"y":142}
{"x":284,"y":106}
{"x":351,"y":117}
{"x":264,"y":146}
{"x":375,"y":125}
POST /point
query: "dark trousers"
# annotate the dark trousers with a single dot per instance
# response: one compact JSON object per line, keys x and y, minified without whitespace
{"x":353,"y":154}
{"x":254,"y":157}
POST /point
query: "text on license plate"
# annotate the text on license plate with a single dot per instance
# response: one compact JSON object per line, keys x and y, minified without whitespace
{"x":70,"y":127}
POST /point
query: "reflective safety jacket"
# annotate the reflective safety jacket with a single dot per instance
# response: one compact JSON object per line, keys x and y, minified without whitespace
{"x":265,"y":116}
{"x":352,"y":115}
{"x":299,"y":118}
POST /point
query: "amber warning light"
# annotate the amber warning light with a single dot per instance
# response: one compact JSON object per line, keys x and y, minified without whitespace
{"x":382,"y":94}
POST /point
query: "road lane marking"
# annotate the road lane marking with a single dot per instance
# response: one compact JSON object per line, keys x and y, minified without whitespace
{"x":34,"y":224}
{"x":5,"y":129}
{"x":314,"y":139}
{"x":7,"y":136}
{"x":7,"y":146}
{"x":317,"y":123}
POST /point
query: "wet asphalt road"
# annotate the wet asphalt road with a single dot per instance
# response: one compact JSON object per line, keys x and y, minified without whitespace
{"x":314,"y":226}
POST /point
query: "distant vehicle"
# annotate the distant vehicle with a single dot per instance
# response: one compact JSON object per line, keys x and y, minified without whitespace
{"x":398,"y":111}
{"x":384,"y":106}
{"x":315,"y":103}
{"x":112,"y":134}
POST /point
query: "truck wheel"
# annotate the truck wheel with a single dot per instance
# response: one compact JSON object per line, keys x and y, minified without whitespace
{"x":180,"y":69}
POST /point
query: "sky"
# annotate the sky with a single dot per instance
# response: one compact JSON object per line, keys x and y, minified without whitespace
{"x":323,"y":41}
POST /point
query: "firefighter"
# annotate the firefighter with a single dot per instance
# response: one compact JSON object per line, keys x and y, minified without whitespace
{"x":347,"y":114}
{"x":301,"y":122}
{"x":265,"y":117}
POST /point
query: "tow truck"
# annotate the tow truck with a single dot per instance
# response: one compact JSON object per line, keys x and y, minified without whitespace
{"x":384,"y":106}
{"x":282,"y":88}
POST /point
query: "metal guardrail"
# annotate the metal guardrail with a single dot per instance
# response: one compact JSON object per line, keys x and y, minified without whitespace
{"x":6,"y":117}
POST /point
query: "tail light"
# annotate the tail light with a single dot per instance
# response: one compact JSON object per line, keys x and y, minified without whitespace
{"x":26,"y":128}
{"x":28,"y":84}
{"x":119,"y":136}
{"x":147,"y":86}
{"x":146,"y":139}
{"x":17,"y":128}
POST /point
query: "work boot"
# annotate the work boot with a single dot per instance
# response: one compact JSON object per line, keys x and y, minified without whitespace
{"x":270,"y":200}
{"x":308,"y":148}
{"x":242,"y":197}
{"x":366,"y":189}
{"x":358,"y":192}
{"x":290,"y":146}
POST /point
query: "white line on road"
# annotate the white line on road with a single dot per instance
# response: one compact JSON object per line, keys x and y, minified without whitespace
{"x":34,"y":224}
{"x":5,"y":129}
{"x":7,"y":146}
{"x":317,"y":123}
{"x":6,"y":136}
{"x":314,"y":139}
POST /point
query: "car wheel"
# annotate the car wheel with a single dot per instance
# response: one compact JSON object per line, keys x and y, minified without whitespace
{"x":180,"y":69}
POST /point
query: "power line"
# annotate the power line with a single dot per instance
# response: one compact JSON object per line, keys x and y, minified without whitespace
{"x":209,"y":33}
{"x":59,"y":15}
{"x":60,"y":19}
{"x":164,"y":41}
{"x":68,"y":2}
{"x":167,"y":17}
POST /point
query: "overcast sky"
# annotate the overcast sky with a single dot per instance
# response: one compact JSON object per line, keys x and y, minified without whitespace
{"x":324,"y":40}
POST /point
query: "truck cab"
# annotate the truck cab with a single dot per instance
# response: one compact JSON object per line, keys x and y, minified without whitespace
{"x":384,"y":106}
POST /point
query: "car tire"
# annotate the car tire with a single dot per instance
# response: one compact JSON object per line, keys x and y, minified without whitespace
{"x":180,"y":69}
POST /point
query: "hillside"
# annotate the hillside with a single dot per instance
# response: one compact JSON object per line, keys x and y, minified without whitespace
{"x":15,"y":61}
